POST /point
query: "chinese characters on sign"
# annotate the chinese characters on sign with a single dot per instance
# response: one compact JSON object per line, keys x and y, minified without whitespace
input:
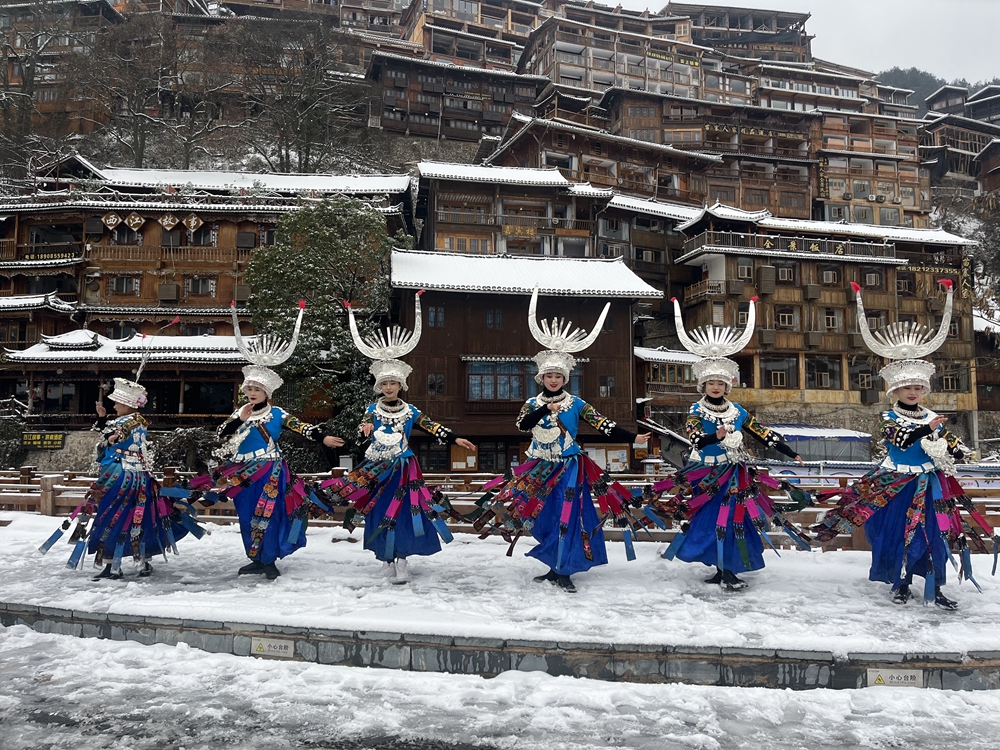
{"x":43,"y":440}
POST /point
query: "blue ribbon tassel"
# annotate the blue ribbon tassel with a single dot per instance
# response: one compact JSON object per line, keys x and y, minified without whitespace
{"x":442,"y":528}
{"x":51,"y":540}
{"x":418,"y":525}
{"x":390,"y":543}
{"x":192,"y":526}
{"x":296,"y":529}
{"x":674,"y":546}
{"x":77,"y":555}
{"x":116,"y":565}
{"x":629,"y":548}
{"x":966,"y":572}
{"x":651,"y":515}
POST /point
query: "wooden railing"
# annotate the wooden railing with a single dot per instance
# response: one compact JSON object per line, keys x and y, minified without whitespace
{"x":791,"y":244}
{"x":153,"y":253}
{"x":59,"y":494}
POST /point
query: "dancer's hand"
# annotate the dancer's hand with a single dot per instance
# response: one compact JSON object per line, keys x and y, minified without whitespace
{"x":367,"y":428}
{"x":799,"y":460}
{"x":245,"y":412}
{"x":330,"y":441}
{"x":721,"y":433}
{"x":101,"y":411}
{"x":643,"y":439}
{"x":465,"y":444}
{"x":553,"y":407}
{"x":937,"y":422}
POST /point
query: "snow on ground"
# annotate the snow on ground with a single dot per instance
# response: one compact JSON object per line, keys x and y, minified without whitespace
{"x":801,"y":601}
{"x":61,"y":693}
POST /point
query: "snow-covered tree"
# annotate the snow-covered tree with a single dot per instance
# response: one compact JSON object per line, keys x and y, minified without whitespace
{"x":326,"y":254}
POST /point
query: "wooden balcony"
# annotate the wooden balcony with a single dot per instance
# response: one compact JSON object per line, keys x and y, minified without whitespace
{"x":706,"y":288}
{"x":185,"y":255}
{"x":656,"y":388}
{"x":789,"y":244}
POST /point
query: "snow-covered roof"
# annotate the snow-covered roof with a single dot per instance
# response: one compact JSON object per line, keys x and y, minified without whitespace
{"x":674,"y":211}
{"x":496,"y":175}
{"x":586,"y":190}
{"x":963,"y":89}
{"x":808,"y":432}
{"x":349,"y":184}
{"x":978,"y":96}
{"x":880,"y":231}
{"x":670,"y":356}
{"x":987,"y":148}
{"x":506,"y":274}
{"x":35,"y":302}
{"x":163,"y":312}
{"x":89,"y":347}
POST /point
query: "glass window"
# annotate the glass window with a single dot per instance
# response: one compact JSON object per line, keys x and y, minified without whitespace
{"x":779,"y":372}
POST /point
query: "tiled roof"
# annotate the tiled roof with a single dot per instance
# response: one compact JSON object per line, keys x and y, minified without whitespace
{"x":495,"y":175}
{"x":506,"y":274}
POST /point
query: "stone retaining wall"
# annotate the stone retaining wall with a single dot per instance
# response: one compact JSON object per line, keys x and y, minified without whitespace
{"x":488,"y":657}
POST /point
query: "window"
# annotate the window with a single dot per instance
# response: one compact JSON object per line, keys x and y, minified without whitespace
{"x":493,"y":457}
{"x":718,"y":313}
{"x":888,"y":216}
{"x":494,"y":319}
{"x":722,"y":195}
{"x":119,"y":331}
{"x":864,"y":214}
{"x":435,"y":317}
{"x":786,"y":317}
{"x":497,"y":381}
{"x":756,"y":198}
{"x":949,"y":382}
{"x":793,"y":200}
{"x":906,"y":283}
{"x":742,"y":313}
{"x":123,"y":285}
{"x":836,"y":213}
{"x":197,"y":331}
{"x":873,"y":279}
{"x":864,"y":380}
{"x":823,"y":372}
{"x":200,"y":285}
{"x":832,"y":319}
{"x":203,"y":236}
{"x":779,"y":372}
{"x":607,"y":386}
{"x":434,"y":457}
{"x":744,"y":269}
{"x":786,"y":274}
{"x":435,"y":384}
{"x":829,"y":276}
{"x":875,"y":318}
{"x":862,"y":189}
{"x":122,"y":235}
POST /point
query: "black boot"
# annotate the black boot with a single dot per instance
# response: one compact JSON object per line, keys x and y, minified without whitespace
{"x":550,"y":576}
{"x":902,"y":595}
{"x":942,"y":601}
{"x":271,"y":571}
{"x":717,"y":578}
{"x":106,"y":573}
{"x":146,"y":571}
{"x":565,"y":584}
{"x":731,"y":582}
{"x":253,"y":568}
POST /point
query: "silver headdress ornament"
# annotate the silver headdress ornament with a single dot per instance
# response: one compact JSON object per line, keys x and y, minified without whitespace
{"x":385,"y":347}
{"x":904,"y":342}
{"x":560,"y":339}
{"x":715,"y":344}
{"x":129,"y":392}
{"x":266,"y":351}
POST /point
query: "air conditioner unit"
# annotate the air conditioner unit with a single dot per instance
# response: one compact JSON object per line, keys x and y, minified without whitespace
{"x":880,"y":199}
{"x":848,"y":196}
{"x":871,"y":198}
{"x":897,"y":200}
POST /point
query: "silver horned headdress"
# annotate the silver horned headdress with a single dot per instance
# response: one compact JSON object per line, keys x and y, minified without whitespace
{"x":560,"y":338}
{"x":715,"y":344}
{"x":385,"y":347}
{"x":265,"y":351}
{"x":904,"y":343}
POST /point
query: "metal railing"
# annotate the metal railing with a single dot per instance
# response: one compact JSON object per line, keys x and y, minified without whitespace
{"x":789,"y":244}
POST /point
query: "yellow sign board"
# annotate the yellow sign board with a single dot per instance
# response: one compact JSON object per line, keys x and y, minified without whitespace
{"x":43,"y":440}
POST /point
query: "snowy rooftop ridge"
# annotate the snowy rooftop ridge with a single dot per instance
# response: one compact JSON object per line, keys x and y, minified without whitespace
{"x":436,"y":170}
{"x":35,"y":302}
{"x":352,"y":184}
{"x":669,"y":356}
{"x":87,"y":346}
{"x":506,"y":274}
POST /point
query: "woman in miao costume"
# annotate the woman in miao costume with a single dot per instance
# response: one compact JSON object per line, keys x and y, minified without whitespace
{"x":719,"y":497}
{"x":387,"y":488}
{"x":551,"y":496}
{"x":272,"y":503}
{"x":909,"y":505}
{"x":130,"y":517}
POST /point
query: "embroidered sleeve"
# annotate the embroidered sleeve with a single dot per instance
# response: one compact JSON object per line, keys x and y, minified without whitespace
{"x":123,"y":429}
{"x":767,"y":436}
{"x":428,"y":425}
{"x":899,"y":434}
{"x":693,"y":428}
{"x":605,"y":426}
{"x":311,"y":431}
{"x":228,"y":427}
{"x":955,"y":445}
{"x":530,"y":416}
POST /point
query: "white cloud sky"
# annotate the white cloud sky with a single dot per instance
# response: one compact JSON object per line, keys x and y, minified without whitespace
{"x":949,"y":38}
